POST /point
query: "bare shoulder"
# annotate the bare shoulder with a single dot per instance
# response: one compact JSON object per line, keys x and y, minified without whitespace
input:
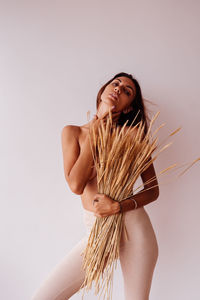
{"x":70,"y":131}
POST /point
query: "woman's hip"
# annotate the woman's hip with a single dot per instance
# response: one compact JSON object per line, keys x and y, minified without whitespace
{"x":138,"y":231}
{"x":137,"y":228}
{"x":88,"y":219}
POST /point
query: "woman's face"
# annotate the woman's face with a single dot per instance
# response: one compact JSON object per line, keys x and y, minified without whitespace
{"x":119,"y":92}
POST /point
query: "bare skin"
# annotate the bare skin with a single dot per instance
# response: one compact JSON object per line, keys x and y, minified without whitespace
{"x":141,"y":251}
{"x":90,"y":186}
{"x":79,"y":168}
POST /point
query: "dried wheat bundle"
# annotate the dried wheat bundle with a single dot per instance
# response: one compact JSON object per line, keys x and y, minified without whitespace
{"x":120,"y":155}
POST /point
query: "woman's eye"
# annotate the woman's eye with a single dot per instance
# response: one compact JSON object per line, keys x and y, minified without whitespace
{"x":127,"y":92}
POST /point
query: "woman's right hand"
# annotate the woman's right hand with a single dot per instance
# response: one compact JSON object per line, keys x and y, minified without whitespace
{"x":97,"y":121}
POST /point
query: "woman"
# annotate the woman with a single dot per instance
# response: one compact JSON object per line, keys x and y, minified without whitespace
{"x":138,"y":255}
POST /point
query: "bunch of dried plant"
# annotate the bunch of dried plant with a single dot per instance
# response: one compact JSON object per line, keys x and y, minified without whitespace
{"x":121,"y":154}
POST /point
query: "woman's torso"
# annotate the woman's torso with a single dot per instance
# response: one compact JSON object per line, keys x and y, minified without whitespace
{"x":137,"y":221}
{"x":91,"y":187}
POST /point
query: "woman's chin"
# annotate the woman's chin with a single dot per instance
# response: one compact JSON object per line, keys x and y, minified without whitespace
{"x":109,"y":102}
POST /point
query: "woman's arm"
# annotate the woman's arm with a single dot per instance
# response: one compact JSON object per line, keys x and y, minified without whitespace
{"x":77,"y":162}
{"x":148,"y":194}
{"x":107,"y":206}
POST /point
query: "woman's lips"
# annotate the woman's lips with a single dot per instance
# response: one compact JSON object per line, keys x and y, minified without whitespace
{"x":113,"y":97}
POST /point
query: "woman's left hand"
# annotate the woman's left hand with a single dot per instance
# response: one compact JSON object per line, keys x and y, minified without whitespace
{"x":105,"y":206}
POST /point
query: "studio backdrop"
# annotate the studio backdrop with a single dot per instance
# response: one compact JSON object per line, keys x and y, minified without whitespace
{"x":55,"y":56}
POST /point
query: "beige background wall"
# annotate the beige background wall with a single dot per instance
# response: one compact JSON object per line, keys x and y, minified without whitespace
{"x":54,"y":57}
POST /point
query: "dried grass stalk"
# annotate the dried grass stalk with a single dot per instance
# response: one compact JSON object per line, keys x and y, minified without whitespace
{"x":120,"y":155}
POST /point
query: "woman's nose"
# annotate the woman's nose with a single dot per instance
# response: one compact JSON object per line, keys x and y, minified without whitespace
{"x":117,"y":89}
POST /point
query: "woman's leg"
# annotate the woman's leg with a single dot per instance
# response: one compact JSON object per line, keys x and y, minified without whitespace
{"x":66,"y":278}
{"x":138,"y":255}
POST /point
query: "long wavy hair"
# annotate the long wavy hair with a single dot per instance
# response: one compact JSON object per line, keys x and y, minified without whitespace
{"x":137,"y":104}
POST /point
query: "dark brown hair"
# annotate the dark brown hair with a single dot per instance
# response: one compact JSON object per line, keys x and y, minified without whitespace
{"x":137,"y":104}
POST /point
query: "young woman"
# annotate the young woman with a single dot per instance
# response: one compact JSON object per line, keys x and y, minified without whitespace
{"x":138,"y":255}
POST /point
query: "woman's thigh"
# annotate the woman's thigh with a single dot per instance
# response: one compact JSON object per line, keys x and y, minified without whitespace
{"x":66,"y":278}
{"x":138,"y":255}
